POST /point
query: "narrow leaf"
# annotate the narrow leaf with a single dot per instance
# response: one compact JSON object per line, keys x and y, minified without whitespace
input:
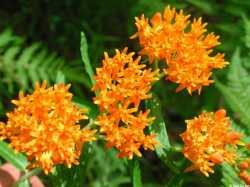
{"x":237,"y":90}
{"x":23,"y":180}
{"x":235,"y":103}
{"x":229,"y":176}
{"x":177,"y":179}
{"x":24,"y":184}
{"x":60,"y":78}
{"x":85,"y":57}
{"x":17,"y":159}
{"x":136,"y":174}
{"x":5,"y":38}
{"x":158,"y":127}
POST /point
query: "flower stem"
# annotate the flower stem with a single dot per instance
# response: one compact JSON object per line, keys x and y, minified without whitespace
{"x":90,"y":124}
{"x":27,"y":176}
{"x":161,"y":75}
{"x":155,"y":64}
{"x":176,"y":149}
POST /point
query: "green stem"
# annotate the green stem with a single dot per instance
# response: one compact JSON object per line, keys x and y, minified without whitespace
{"x":145,"y":61}
{"x":27,"y":175}
{"x":178,"y":178}
{"x":177,"y":149}
{"x":136,"y":173}
{"x":167,"y":160}
{"x":90,"y":124}
{"x":161,"y":75}
{"x":155,"y":64}
{"x":171,"y":166}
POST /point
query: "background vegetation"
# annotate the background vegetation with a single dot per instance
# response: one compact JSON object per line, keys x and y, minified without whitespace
{"x":41,"y":40}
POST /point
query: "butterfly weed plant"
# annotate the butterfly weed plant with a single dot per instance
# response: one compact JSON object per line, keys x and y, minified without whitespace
{"x":51,"y":132}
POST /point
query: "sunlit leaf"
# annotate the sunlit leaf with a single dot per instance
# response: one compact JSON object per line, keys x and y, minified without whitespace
{"x":136,"y":174}
{"x":85,"y":57}
{"x":17,"y":159}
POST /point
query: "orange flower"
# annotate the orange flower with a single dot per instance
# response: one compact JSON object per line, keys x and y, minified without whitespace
{"x":122,"y":83}
{"x":209,"y":140}
{"x":244,"y":175}
{"x":244,"y":167}
{"x":45,"y":126}
{"x":245,"y":164}
{"x":187,"y":51}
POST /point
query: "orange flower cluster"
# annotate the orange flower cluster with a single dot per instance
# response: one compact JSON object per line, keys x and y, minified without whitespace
{"x":45,"y":127}
{"x":122,"y":83}
{"x":244,"y":175}
{"x":208,"y":140}
{"x":184,"y":46}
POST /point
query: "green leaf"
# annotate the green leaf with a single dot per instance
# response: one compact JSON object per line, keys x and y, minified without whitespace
{"x":22,"y":65}
{"x":136,"y":174}
{"x":177,"y":179}
{"x":85,"y":57}
{"x":158,"y":127}
{"x":237,"y":91}
{"x":72,"y":75}
{"x":247,"y":30}
{"x":60,"y":78}
{"x":23,"y":180}
{"x":6,"y":37}
{"x":92,"y":109}
{"x":24,"y":184}
{"x":234,"y":103}
{"x":17,"y":159}
{"x":229,"y":176}
{"x":205,"y":6}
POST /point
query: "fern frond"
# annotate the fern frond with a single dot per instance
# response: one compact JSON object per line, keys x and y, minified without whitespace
{"x":237,"y":91}
{"x":21,"y":65}
{"x":247,"y":31}
{"x":229,"y":176}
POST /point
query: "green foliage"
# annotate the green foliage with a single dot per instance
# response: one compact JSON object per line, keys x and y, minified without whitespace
{"x":230,"y":176}
{"x":60,"y":78}
{"x":18,"y":160}
{"x":136,"y":177}
{"x":237,"y":90}
{"x":85,"y":57}
{"x":92,"y":170}
{"x":98,"y":172}
{"x":159,"y":127}
{"x":247,"y":31}
{"x":236,"y":93}
{"x":22,"y":66}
